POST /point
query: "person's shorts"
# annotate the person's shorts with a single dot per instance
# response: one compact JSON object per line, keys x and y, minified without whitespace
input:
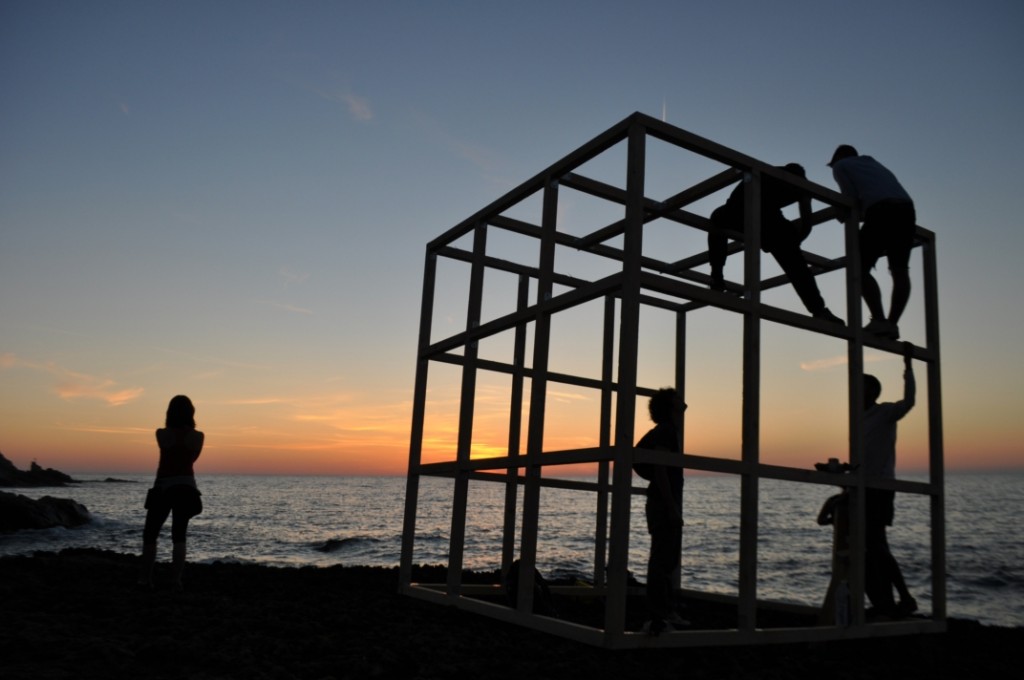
{"x":888,"y":230}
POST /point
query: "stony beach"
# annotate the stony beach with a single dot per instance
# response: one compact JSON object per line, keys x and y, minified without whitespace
{"x":79,"y":614}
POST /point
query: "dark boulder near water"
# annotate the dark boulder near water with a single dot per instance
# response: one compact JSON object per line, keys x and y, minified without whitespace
{"x":19,"y":512}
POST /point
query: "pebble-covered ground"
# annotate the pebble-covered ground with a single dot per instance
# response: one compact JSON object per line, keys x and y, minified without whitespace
{"x":79,"y":614}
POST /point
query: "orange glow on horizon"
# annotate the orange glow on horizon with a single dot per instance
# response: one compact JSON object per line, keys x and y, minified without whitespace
{"x":332,"y":437}
{"x":392,"y":461}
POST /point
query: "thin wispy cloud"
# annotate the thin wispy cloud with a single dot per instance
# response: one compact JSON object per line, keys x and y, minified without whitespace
{"x":480,"y":156}
{"x":291,"y":278}
{"x":567,"y":396}
{"x":840,"y":360}
{"x":351,"y":412}
{"x":207,"y":359}
{"x":284,"y":307}
{"x":332,"y":421}
{"x":87,"y":387}
{"x":823,"y":364}
{"x":58,"y":331}
{"x":256,"y":401}
{"x":358,"y":107}
{"x":73,"y":385}
{"x":305,"y":404}
{"x":95,"y":429}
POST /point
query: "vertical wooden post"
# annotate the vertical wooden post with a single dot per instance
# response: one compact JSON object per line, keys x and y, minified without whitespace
{"x":680,"y":385}
{"x":747,"y":614}
{"x":538,"y":397}
{"x":604,"y":441}
{"x":515,"y":423}
{"x":625,"y":412}
{"x":855,"y":383}
{"x":412,"y":482}
{"x":936,"y":465}
{"x":466,"y":407}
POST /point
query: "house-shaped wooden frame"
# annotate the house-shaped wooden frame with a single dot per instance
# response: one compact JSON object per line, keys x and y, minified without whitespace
{"x":681,"y":287}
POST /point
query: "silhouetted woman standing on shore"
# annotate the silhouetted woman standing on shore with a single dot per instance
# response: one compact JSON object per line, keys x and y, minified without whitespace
{"x":175,"y":488}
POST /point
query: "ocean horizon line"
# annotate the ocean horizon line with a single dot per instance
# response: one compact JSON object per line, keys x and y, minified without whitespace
{"x":572,"y":475}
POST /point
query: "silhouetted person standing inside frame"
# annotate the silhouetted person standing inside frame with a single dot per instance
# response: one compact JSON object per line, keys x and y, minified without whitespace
{"x":882,"y":572}
{"x":836,"y":608}
{"x":664,"y":508}
{"x":174,"y":490}
{"x":889,"y":225}
{"x":779,"y":236}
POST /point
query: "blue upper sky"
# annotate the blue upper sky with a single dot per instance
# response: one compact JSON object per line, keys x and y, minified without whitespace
{"x":232,"y":199}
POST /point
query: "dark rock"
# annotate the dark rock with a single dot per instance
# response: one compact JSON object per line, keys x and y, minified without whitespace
{"x":35,"y":476}
{"x":19,"y":512}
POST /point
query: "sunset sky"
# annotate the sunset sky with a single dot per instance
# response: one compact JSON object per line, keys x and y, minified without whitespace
{"x":231,"y":200}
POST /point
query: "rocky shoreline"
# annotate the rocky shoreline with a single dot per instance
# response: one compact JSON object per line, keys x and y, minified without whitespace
{"x":18,"y":512}
{"x":79,"y":614}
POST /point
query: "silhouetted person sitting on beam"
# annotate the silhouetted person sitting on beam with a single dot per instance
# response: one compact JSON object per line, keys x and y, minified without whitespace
{"x":779,"y":236}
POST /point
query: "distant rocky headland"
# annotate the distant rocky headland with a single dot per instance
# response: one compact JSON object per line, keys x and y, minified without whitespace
{"x":19,"y":512}
{"x":34,"y":476}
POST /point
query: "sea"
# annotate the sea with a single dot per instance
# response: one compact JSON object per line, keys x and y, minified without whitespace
{"x":299,"y":521}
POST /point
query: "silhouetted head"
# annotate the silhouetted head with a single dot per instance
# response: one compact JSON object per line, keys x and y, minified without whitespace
{"x":872,"y":390}
{"x":665,"y":405}
{"x":843,"y":151}
{"x":181,"y":413}
{"x":796,"y":169}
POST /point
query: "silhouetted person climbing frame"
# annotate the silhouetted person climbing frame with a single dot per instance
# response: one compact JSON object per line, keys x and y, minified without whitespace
{"x":889,"y":225}
{"x":882,"y":572}
{"x":779,"y":236}
{"x":664,"y":508}
{"x":174,"y":490}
